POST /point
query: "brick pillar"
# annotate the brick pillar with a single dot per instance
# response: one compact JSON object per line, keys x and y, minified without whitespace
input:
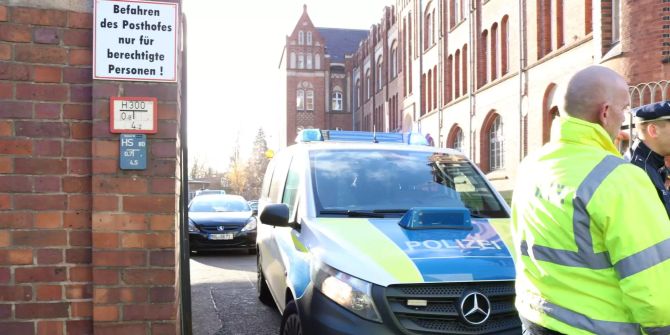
{"x":45,"y":169}
{"x":135,"y":248}
{"x":84,"y":247}
{"x":134,"y":218}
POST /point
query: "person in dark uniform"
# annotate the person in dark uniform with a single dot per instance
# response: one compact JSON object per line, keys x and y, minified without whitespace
{"x":653,"y":145}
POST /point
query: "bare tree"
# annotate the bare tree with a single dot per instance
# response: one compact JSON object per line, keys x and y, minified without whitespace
{"x":237,"y":175}
{"x":257,"y":165}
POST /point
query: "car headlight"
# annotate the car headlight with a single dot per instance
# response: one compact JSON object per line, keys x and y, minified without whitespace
{"x":349,"y":292}
{"x":251,"y":224}
{"x":191,"y":227}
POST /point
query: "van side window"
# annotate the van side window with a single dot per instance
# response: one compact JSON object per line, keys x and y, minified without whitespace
{"x":265,"y":189}
{"x":291,"y":188}
{"x":279,"y":177}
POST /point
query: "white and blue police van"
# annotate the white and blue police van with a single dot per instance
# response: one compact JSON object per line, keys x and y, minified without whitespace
{"x":374,"y":233}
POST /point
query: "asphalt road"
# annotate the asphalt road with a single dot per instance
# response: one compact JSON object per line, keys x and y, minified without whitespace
{"x":223,"y":296}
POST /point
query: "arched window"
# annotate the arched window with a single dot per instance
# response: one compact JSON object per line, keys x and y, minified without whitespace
{"x":301,"y":38}
{"x":393,"y":63}
{"x":456,"y":139}
{"x":309,"y":38}
{"x":560,"y":40}
{"x":424,"y":93}
{"x":301,"y":61}
{"x":616,"y":21}
{"x":429,"y":89}
{"x":493,"y":61}
{"x":456,"y":12}
{"x":317,"y":61}
{"x":380,"y":73}
{"x":465,"y":69}
{"x":496,"y":145}
{"x":457,"y":77}
{"x":485,"y":61}
{"x":368,"y":84}
{"x":309,"y":60}
{"x":435,"y":87}
{"x":300,"y":100}
{"x":429,"y":30}
{"x":448,"y":87}
{"x":358,"y":93}
{"x":544,"y":18}
{"x":309,"y":100}
{"x":337,"y":101}
{"x":292,"y":60}
{"x":459,"y":140}
{"x":588,"y":19}
{"x":504,"y":46}
{"x":549,"y":111}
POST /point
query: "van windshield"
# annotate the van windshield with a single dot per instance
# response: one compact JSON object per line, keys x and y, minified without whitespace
{"x":393,"y":181}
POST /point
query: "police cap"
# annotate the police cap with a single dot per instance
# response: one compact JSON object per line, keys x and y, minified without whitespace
{"x":652,"y":112}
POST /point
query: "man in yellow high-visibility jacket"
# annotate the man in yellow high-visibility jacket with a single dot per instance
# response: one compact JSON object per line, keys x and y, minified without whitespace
{"x":591,"y":236}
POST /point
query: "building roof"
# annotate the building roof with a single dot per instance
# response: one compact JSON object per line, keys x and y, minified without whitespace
{"x":340,"y":42}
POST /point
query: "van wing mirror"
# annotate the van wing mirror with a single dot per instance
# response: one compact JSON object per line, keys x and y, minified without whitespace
{"x":275,"y":215}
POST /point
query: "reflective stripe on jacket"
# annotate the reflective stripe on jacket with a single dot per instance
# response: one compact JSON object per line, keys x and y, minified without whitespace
{"x":593,"y":238}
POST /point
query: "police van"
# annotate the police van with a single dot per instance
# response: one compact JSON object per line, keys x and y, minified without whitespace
{"x":374,"y":233}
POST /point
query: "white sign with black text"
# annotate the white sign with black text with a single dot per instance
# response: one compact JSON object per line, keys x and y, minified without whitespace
{"x":135,"y":40}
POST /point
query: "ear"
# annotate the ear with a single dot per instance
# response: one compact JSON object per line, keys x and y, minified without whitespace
{"x":652,"y":130}
{"x":603,"y":113}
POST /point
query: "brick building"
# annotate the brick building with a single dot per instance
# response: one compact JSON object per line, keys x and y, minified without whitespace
{"x":317,"y":86}
{"x":84,"y":246}
{"x":485,"y":76}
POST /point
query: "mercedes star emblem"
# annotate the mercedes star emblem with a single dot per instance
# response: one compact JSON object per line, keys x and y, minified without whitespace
{"x":475,"y":308}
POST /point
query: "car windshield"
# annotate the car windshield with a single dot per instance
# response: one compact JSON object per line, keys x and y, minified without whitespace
{"x":392,"y":181}
{"x":213,"y":203}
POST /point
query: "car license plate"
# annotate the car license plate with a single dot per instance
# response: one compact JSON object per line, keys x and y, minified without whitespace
{"x":221,"y":236}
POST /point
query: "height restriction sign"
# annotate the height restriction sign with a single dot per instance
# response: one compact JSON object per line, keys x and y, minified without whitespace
{"x":133,"y":115}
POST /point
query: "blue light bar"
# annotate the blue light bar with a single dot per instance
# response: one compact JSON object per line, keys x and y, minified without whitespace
{"x":436,"y":218}
{"x":362,"y":136}
{"x":317,"y":135}
{"x":309,"y":135}
{"x":416,"y":139}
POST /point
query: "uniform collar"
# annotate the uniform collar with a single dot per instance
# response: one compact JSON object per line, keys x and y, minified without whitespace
{"x":573,"y":130}
{"x":642,"y":150}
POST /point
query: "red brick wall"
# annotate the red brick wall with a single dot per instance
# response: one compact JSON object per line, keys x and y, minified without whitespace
{"x":643,"y":32}
{"x":133,"y":221}
{"x":84,"y":246}
{"x":45,"y":171}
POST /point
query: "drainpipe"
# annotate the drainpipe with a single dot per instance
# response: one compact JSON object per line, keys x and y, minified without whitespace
{"x":373,"y":77}
{"x":326,"y":102}
{"x":473,"y":74}
{"x":522,"y":61}
{"x":421,"y":48}
{"x":184,"y":267}
{"x":440,"y":69}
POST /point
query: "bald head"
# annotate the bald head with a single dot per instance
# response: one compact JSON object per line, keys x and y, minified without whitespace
{"x":590,"y":89}
{"x":599,"y":95}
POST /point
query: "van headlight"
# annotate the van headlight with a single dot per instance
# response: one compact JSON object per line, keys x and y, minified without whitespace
{"x":251,"y":224}
{"x":349,"y":292}
{"x":191,"y":227}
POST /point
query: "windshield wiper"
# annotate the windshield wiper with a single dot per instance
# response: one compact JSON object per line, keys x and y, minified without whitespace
{"x":391,"y":211}
{"x":403,"y":211}
{"x":478,"y":216}
{"x":354,"y":213}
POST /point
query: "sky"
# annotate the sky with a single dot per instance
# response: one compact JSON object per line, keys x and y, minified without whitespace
{"x":235,"y":85}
